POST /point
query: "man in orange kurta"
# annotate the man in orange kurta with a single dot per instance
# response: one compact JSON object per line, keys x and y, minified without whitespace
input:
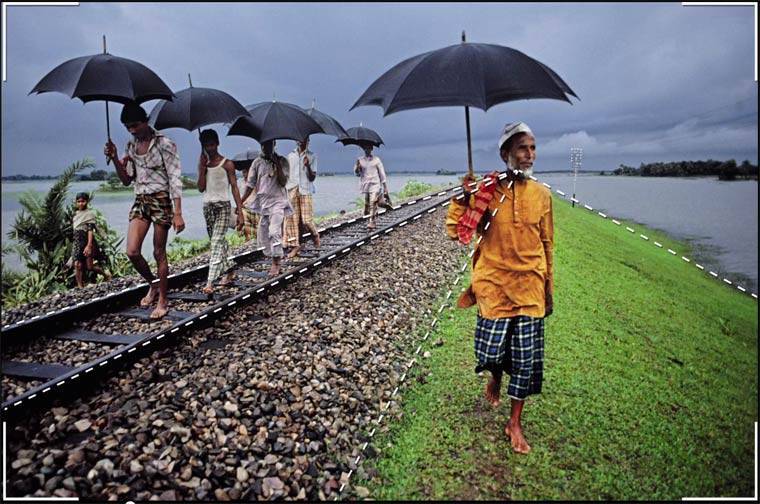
{"x":512,"y":277}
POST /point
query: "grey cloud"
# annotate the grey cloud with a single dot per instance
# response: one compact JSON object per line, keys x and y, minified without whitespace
{"x":642,"y":71}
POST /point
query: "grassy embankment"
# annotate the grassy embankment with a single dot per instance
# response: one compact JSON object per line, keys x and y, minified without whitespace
{"x":650,"y":387}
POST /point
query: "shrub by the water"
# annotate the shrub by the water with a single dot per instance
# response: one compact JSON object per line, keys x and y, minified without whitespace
{"x":43,"y":235}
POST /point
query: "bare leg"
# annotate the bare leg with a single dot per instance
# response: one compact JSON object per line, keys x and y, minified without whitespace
{"x":314,"y":233}
{"x":275,"y":269}
{"x":513,"y":430}
{"x":294,"y":251}
{"x":229,"y":278}
{"x":493,"y":389}
{"x":138,"y":228}
{"x":78,"y":267}
{"x":160,"y":235}
{"x":97,"y":269}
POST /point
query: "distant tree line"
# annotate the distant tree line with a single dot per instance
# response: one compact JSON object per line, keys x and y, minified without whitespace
{"x":29,"y":177}
{"x":724,"y":170}
{"x":94,"y":175}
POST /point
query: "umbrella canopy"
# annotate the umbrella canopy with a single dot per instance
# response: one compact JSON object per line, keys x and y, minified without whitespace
{"x":275,"y":120}
{"x":359,"y":135}
{"x":104,"y":77}
{"x":466,"y":74}
{"x":196,"y":107}
{"x":242,"y":160}
{"x":329,"y":124}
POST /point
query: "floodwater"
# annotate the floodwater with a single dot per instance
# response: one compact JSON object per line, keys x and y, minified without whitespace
{"x":719,"y":218}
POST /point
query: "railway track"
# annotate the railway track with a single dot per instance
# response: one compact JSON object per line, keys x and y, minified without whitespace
{"x":108,"y":350}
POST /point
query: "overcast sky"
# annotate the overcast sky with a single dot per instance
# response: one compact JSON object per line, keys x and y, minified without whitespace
{"x":656,"y":82}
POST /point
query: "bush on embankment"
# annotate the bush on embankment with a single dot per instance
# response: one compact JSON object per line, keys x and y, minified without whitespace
{"x":650,"y":387}
{"x":43,"y":235}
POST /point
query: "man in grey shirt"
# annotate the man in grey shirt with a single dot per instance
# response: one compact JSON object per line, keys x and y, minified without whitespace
{"x":268,"y":176}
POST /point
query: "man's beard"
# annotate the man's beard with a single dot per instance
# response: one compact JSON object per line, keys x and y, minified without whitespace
{"x":525,"y":174}
{"x":521,"y":174}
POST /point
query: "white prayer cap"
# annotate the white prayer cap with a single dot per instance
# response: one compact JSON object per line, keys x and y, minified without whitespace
{"x":512,"y":129}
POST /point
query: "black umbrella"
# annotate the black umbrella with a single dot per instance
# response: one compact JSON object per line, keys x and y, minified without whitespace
{"x":466,"y":74}
{"x":104,"y":77}
{"x":359,"y":135}
{"x":195,"y":107}
{"x":329,"y":124}
{"x":243,"y":160}
{"x":275,"y":120}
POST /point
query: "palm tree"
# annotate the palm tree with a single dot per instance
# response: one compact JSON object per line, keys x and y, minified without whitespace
{"x":44,"y":226}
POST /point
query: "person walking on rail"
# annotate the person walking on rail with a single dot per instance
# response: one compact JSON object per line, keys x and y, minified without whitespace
{"x":300,"y":186}
{"x":373,"y":184}
{"x":153,"y":164}
{"x":85,"y":249}
{"x":268,"y":176}
{"x":512,"y":273}
{"x":216,"y":175}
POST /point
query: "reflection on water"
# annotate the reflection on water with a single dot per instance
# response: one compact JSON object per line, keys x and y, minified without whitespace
{"x":719,"y":217}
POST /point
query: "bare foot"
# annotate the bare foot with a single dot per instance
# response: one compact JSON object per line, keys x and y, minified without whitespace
{"x":515,"y":435}
{"x":228,"y":279}
{"x":370,"y":226}
{"x":149,"y":297}
{"x":208,"y":289}
{"x":294,"y":252}
{"x":159,"y":312}
{"x":274,"y":271}
{"x":316,"y":240}
{"x":493,"y":391}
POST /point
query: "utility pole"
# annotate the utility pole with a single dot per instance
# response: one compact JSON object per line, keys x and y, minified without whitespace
{"x":576,"y":158}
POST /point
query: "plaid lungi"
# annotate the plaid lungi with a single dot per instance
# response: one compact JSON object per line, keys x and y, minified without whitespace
{"x":250,"y":222}
{"x":154,"y":207}
{"x":516,"y":346}
{"x":217,"y":215}
{"x":303,"y":212}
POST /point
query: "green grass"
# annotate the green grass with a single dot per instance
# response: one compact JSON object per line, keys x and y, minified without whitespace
{"x":650,"y":388}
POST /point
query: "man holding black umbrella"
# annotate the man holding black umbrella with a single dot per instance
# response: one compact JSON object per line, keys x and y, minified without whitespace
{"x":153,"y":164}
{"x":512,"y":273}
{"x":374,"y":184}
{"x":300,"y":186}
{"x":268,"y":176}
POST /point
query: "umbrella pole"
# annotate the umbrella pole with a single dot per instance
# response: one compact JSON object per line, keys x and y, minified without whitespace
{"x":190,"y":80}
{"x":108,"y":131}
{"x":470,"y":171}
{"x":108,"y":119}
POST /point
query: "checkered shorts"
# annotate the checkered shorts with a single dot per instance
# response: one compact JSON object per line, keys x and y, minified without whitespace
{"x":516,"y":346}
{"x":154,"y":207}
